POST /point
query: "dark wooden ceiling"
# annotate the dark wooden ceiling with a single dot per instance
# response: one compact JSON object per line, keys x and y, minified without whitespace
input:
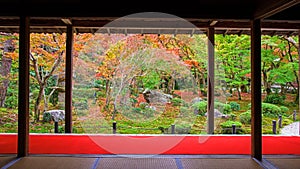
{"x":279,"y":17}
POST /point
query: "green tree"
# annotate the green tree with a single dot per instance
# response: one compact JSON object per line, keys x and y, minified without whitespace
{"x":279,"y":62}
{"x":233,"y":56}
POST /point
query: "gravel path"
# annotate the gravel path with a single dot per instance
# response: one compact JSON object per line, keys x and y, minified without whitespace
{"x":292,"y":129}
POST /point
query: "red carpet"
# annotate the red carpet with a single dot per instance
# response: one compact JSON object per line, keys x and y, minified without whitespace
{"x":151,"y":144}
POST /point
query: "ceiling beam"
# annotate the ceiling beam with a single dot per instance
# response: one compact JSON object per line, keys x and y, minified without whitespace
{"x":266,"y":9}
{"x":67,"y":21}
{"x":39,"y":22}
{"x":213,"y":23}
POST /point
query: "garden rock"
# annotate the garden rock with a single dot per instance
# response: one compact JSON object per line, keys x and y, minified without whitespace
{"x":218,"y":114}
{"x":54,"y":115}
{"x":156,"y":96}
{"x":196,"y":100}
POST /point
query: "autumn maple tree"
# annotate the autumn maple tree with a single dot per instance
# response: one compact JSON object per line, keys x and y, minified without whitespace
{"x":8,"y":55}
{"x":47,"y":55}
{"x":134,"y":60}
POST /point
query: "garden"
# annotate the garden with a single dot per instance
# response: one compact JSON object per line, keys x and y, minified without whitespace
{"x":150,"y":84}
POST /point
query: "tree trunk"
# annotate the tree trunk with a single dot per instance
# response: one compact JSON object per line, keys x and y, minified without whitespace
{"x":266,"y":84}
{"x":239,"y":93}
{"x":292,"y":42}
{"x":45,"y":101}
{"x":5,"y":70}
{"x":107,"y":93}
{"x":244,"y":89}
{"x":37,"y":104}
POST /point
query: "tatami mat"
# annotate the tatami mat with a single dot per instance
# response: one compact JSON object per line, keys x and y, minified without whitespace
{"x":54,"y":163}
{"x":219,"y":164}
{"x":157,"y":162}
{"x":137,"y":163}
{"x":291,"y":163}
{"x":5,"y":160}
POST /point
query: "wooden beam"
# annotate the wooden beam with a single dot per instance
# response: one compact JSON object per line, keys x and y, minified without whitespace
{"x":256,"y":118}
{"x":23,"y":98}
{"x":213,"y":23}
{"x":68,"y":79}
{"x":272,"y":7}
{"x":210,"y":80}
{"x":85,"y":25}
{"x":67,"y":21}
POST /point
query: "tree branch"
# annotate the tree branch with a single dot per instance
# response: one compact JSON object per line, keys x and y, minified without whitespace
{"x":55,"y":65}
{"x":36,"y":69}
{"x":292,"y":41}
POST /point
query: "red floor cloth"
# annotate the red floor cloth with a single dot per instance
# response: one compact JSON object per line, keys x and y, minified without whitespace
{"x":150,"y":144}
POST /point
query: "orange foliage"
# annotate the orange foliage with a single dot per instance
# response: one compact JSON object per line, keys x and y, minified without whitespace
{"x":133,"y":43}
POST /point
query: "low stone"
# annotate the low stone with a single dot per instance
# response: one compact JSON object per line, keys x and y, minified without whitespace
{"x":196,"y":100}
{"x":156,"y":96}
{"x":218,"y":114}
{"x":54,"y":115}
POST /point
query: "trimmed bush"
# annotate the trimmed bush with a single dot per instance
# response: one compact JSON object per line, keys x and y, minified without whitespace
{"x":270,"y":110}
{"x":200,"y":107}
{"x":229,"y":123}
{"x":178,"y":102}
{"x":284,"y":109}
{"x":245,"y":117}
{"x":274,"y":98}
{"x":227,"y":126}
{"x":232,"y":116}
{"x":224,"y":108}
{"x":235,"y":106}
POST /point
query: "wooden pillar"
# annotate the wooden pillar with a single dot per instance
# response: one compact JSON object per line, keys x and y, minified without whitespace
{"x":210,"y":80}
{"x":68,"y":79}
{"x":23,"y":98}
{"x":299,"y":73}
{"x":256,"y":117}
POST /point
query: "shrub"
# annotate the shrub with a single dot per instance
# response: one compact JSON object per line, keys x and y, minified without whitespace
{"x":200,"y":107}
{"x":286,"y":122}
{"x":143,"y":105}
{"x":178,"y":102}
{"x":227,"y":126}
{"x":284,"y":109}
{"x":274,"y":98}
{"x":232,"y":116}
{"x":224,"y":108}
{"x":136,"y":110}
{"x":270,"y":110}
{"x":185,"y":112}
{"x":47,"y":117}
{"x":235,"y":106}
{"x":245,"y":117}
{"x":11,"y":100}
{"x":163,"y":129}
{"x":229,"y":123}
{"x":183,"y":129}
